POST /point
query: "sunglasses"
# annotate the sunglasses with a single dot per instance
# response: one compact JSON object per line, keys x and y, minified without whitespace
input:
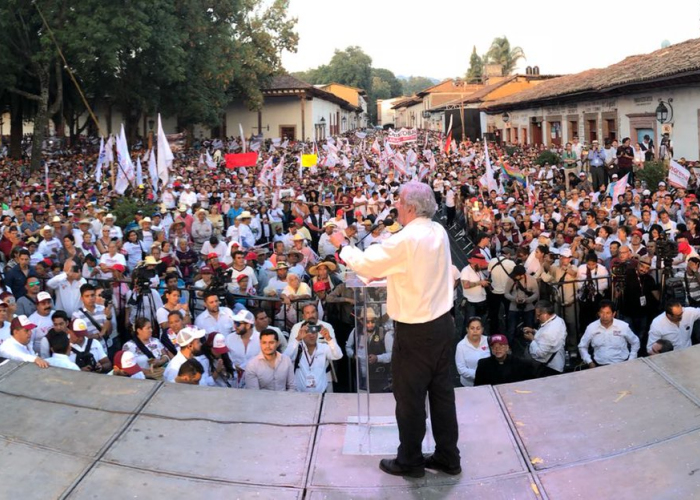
{"x":34,"y":283}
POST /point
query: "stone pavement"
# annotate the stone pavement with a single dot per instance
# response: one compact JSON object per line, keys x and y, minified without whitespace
{"x":627,"y":431}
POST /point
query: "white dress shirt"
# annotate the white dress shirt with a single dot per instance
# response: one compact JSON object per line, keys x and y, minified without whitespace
{"x":610,"y":345}
{"x":62,"y":361}
{"x":173,"y":369}
{"x":223,"y":324}
{"x":259,"y":374}
{"x":678,"y":335}
{"x":67,"y":293}
{"x":311,"y":374}
{"x":549,"y":340}
{"x":468,"y":356}
{"x":418,"y":266}
{"x":239,"y":353}
{"x":11,"y":349}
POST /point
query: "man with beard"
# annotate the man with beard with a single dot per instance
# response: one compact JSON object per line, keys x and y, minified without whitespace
{"x":270,"y":370}
{"x":244,"y":343}
{"x":189,"y":340}
{"x":215,"y":318}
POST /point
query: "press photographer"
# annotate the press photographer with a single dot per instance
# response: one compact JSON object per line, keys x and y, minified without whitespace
{"x":522,"y":291}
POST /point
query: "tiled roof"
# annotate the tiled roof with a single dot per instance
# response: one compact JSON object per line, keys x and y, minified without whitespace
{"x":280,"y":83}
{"x":408,"y":101}
{"x":286,"y":82}
{"x":669,"y":62}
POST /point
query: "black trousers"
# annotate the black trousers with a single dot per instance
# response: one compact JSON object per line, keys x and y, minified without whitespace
{"x":420,"y":365}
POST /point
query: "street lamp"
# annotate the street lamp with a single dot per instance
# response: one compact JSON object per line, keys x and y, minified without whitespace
{"x":345,"y":121}
{"x":505,"y":117}
{"x":664,"y":114}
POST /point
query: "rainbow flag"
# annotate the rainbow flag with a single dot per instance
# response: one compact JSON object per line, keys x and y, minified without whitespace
{"x":514,"y":172}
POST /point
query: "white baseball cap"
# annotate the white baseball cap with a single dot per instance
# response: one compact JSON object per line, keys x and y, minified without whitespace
{"x":41,"y":296}
{"x":244,"y":316}
{"x":126,"y":361}
{"x":188,"y":334}
{"x":566,"y":252}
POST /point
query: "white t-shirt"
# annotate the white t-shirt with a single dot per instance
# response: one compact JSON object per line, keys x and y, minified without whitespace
{"x":477,"y":293}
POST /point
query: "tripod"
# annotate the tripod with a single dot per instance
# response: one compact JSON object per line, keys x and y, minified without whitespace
{"x":144,"y":302}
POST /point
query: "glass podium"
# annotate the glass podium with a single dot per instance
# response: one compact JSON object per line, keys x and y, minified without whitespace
{"x":372,"y":431}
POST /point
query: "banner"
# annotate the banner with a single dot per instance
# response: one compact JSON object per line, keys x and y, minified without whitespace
{"x":678,"y":175}
{"x":402,"y":136}
{"x":309,"y":160}
{"x":235,"y":160}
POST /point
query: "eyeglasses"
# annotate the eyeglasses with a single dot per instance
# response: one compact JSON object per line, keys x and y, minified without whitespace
{"x":33,"y":283}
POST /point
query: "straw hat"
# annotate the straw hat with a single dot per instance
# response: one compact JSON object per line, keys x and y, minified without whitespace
{"x":313,"y":270}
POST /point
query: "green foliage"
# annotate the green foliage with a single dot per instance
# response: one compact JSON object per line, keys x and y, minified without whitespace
{"x":351,"y":67}
{"x":414,"y":84}
{"x":502,"y":53}
{"x":652,"y":173}
{"x":476,"y":68}
{"x":395,"y":85}
{"x":547,"y":157}
{"x":125,"y":207}
{"x":511,"y":150}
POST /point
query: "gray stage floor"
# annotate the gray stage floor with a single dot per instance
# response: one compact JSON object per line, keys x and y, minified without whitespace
{"x":628,"y":431}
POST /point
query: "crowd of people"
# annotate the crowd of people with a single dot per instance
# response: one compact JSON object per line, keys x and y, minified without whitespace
{"x":233,"y":277}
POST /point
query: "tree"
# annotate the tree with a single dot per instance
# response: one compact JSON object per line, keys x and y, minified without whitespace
{"x":414,"y":84}
{"x":395,"y":85}
{"x":501,"y":53}
{"x":476,"y":68}
{"x":351,"y":67}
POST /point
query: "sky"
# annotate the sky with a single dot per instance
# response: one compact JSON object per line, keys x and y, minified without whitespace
{"x":435,"y":38}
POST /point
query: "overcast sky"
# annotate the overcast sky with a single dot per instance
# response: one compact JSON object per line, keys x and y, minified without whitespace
{"x":435,"y":38}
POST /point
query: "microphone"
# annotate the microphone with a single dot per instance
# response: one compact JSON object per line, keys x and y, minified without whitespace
{"x":386,"y":223}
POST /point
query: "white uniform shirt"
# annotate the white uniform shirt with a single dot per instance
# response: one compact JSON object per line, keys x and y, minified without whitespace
{"x":468,"y":356}
{"x":239,"y":353}
{"x":173,"y":368}
{"x":418,"y":266}
{"x":222,"y":325}
{"x":311,"y":374}
{"x":499,"y":275}
{"x":549,"y":340}
{"x":678,"y":335}
{"x":67,"y":293}
{"x":96,"y":349}
{"x":609,"y":344}
{"x":475,"y":294}
{"x":11,"y":349}
{"x":43,"y":325}
{"x":62,"y":361}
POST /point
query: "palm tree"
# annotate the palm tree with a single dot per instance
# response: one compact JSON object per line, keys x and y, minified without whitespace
{"x":501,"y":53}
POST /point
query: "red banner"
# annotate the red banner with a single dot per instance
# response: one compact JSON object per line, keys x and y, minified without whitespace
{"x":241,"y":160}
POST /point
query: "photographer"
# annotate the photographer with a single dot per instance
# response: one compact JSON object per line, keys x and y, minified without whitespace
{"x":591,"y":283}
{"x":522,"y":292}
{"x":474,"y":285}
{"x":97,"y":318}
{"x":562,"y":276}
{"x":143,"y":300}
{"x":311,"y":358}
{"x":86,"y":352}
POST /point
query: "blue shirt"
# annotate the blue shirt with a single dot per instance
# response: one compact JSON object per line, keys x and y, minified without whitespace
{"x":596,"y":158}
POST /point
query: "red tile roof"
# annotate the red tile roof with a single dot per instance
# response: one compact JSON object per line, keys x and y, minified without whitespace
{"x":673,"y":61}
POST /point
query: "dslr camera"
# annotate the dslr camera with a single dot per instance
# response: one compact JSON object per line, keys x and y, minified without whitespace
{"x":313,"y":327}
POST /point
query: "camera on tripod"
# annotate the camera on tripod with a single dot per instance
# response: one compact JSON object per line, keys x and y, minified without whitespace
{"x":142,"y":277}
{"x":219,"y":280}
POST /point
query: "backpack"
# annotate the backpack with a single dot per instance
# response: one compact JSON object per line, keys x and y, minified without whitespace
{"x":84,"y":358}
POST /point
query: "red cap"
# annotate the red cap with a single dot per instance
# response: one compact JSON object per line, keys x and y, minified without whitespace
{"x":321,"y":286}
{"x":206,"y":270}
{"x":48,"y":262}
{"x":126,"y":362}
{"x":684,"y":247}
{"x":251,"y":256}
{"x":299,"y":221}
{"x":241,"y":277}
{"x":498,"y":339}
{"x":20,"y":322}
{"x":339,"y":212}
{"x":212,"y":255}
{"x":217,"y":343}
{"x":118,"y":267}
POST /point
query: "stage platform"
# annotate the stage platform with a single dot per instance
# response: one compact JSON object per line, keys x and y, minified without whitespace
{"x":630,"y":431}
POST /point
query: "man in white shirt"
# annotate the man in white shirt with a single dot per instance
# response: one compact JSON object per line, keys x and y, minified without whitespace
{"x":547,"y":343}
{"x":42,"y":319}
{"x":325,"y":247}
{"x":67,"y":286}
{"x":612,"y":339}
{"x":675,"y":324}
{"x":189,"y":340}
{"x":474,"y":285}
{"x":59,"y":343}
{"x":18,"y":347}
{"x":244,"y":342}
{"x":314,"y":357}
{"x":499,"y":268}
{"x":418,"y":266}
{"x":87,"y":353}
{"x":215,"y":318}
{"x":309,"y":312}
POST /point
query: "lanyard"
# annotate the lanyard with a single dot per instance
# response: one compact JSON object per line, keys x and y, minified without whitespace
{"x":306,"y":355}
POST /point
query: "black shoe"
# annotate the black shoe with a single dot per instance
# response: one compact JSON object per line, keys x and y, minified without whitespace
{"x":431,"y":463}
{"x":391,"y":466}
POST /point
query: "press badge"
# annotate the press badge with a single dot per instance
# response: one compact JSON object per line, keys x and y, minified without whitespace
{"x":310,"y":381}
{"x":642,"y":301}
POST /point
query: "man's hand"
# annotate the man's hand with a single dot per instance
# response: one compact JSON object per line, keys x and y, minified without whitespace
{"x":302,"y":331}
{"x":41,"y":363}
{"x":372,"y":359}
{"x":326,"y":334}
{"x":592,"y":364}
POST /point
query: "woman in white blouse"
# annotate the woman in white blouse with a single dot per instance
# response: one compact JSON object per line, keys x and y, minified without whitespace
{"x":473,"y":347}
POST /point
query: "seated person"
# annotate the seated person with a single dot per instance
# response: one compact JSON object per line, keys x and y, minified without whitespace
{"x":501,"y":367}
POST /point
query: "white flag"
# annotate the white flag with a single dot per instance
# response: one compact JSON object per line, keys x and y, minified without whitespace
{"x":153,"y":171}
{"x":210,"y":161}
{"x":100,"y":161}
{"x":109,"y":150}
{"x":491,"y":183}
{"x":125,"y":171}
{"x":139,"y":172}
{"x":678,"y":175}
{"x":200,"y":163}
{"x":240,"y":127}
{"x":165,"y":154}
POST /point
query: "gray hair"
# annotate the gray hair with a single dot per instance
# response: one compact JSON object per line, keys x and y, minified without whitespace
{"x":419,"y":196}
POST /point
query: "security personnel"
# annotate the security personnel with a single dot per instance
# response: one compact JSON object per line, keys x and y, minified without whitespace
{"x":612,"y":339}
